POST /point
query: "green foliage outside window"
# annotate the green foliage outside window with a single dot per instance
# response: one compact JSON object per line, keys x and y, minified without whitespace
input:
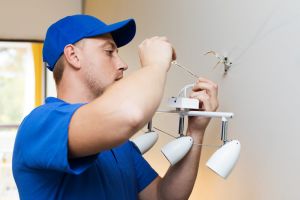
{"x":12,"y":81}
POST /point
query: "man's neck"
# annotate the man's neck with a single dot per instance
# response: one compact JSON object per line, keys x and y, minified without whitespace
{"x":74,"y":98}
{"x":74,"y":92}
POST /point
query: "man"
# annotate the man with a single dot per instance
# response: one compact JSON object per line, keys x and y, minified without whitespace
{"x":76,"y":146}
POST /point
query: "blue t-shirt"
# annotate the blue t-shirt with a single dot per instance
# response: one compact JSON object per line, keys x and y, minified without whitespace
{"x":42,"y":169}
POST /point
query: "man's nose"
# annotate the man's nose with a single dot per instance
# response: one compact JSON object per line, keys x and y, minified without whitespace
{"x":122,"y":65}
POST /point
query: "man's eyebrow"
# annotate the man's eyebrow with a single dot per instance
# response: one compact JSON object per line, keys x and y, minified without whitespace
{"x":108,"y":43}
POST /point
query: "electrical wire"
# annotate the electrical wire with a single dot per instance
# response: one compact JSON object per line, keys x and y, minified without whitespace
{"x":165,"y":132}
{"x":183,"y":90}
{"x":205,"y":145}
{"x":186,"y":69}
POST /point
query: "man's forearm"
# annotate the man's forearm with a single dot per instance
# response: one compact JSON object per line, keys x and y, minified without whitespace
{"x":124,"y":108}
{"x":179,"y":181}
{"x":141,"y":92}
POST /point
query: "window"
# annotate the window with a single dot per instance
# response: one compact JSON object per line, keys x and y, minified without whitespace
{"x":21,"y":89}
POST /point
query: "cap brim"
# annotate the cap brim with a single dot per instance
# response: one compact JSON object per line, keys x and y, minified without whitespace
{"x":122,"y":32}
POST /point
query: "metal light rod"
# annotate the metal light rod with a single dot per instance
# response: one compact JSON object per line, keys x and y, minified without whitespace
{"x":181,"y":125}
{"x":200,"y":113}
{"x":224,"y":130}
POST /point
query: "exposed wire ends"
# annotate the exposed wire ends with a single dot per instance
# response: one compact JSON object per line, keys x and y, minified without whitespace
{"x":222,"y":60}
{"x":214,"y":53}
{"x":186,"y":69}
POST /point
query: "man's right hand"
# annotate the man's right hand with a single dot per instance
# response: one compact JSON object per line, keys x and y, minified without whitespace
{"x":156,"y":51}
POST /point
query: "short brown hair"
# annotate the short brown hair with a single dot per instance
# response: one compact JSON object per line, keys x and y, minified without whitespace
{"x":59,"y":69}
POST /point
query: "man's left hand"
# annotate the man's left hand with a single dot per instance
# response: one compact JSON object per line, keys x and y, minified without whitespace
{"x":206,"y":92}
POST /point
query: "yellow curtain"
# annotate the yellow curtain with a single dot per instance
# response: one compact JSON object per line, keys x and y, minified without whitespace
{"x":38,"y":71}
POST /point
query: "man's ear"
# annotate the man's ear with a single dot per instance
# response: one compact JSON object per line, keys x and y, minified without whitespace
{"x":71,"y":56}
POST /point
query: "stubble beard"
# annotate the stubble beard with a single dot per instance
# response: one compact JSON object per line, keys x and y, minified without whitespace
{"x":94,"y":85}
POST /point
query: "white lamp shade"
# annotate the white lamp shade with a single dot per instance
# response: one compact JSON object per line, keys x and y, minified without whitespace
{"x":225,"y":158}
{"x":146,"y":141}
{"x":177,"y":149}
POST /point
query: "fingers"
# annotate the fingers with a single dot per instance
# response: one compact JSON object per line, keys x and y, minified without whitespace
{"x":164,"y":38}
{"x":206,"y":91}
{"x":156,"y":51}
{"x":202,"y":79}
{"x":211,"y":89}
{"x":204,"y":99}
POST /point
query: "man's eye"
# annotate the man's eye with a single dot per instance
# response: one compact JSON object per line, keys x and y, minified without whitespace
{"x":110,"y":52}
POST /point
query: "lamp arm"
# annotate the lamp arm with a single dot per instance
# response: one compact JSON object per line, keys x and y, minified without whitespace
{"x":224,"y":130}
{"x":200,"y":113}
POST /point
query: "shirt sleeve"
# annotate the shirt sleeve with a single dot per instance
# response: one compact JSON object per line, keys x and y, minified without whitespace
{"x":145,"y":174}
{"x":44,"y":140}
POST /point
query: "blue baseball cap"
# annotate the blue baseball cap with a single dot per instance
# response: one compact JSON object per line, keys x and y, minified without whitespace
{"x":71,"y":29}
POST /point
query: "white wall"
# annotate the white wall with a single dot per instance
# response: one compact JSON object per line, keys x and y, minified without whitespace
{"x":262,"y":88}
{"x":29,"y":20}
